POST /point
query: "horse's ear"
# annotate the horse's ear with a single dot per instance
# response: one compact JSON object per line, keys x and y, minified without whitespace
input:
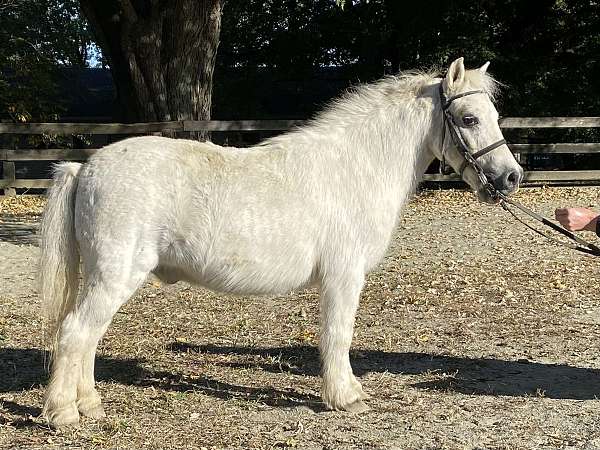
{"x":456,"y":73}
{"x":483,"y":69}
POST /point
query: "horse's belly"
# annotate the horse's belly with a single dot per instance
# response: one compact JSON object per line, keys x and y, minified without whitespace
{"x":240,"y":273}
{"x":252,"y":280}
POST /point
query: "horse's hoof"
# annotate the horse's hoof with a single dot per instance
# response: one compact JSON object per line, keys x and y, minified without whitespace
{"x":357,"y":407}
{"x":91,"y":406}
{"x":347,"y":398}
{"x":62,"y":417}
{"x":93,"y":412}
{"x":358,"y":389}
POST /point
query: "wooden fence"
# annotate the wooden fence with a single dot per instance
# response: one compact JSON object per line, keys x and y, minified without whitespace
{"x":8,"y":157}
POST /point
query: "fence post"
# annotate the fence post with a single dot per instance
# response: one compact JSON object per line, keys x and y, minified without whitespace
{"x":8,"y":174}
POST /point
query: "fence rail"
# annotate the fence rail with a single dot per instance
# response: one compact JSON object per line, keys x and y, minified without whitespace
{"x":250,"y":125}
{"x":148,"y":127}
{"x":8,"y":157}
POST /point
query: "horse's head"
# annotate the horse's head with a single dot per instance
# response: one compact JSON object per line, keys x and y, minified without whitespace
{"x":472,"y":142}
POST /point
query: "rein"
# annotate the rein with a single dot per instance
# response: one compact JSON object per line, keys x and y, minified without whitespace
{"x":470,"y":160}
{"x":580,"y":245}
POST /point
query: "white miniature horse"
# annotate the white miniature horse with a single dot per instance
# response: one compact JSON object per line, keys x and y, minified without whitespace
{"x":315,"y":206}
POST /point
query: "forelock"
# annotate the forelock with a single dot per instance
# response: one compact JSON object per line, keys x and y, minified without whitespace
{"x":474,"y":79}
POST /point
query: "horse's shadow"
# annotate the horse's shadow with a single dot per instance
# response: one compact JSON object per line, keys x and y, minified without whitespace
{"x":22,"y":230}
{"x":22,"y":369}
{"x":473,"y":376}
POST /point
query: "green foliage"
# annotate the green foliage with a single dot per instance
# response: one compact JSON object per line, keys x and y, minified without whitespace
{"x":546,"y":51}
{"x":37,"y":39}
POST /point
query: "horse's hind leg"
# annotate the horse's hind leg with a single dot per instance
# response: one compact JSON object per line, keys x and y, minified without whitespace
{"x":71,"y":387}
{"x":88,"y":400}
{"x":339,"y":301}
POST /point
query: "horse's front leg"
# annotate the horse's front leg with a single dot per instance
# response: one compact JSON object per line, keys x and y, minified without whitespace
{"x":339,"y":301}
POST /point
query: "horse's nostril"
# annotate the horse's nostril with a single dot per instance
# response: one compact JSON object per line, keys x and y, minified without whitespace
{"x":513,"y":178}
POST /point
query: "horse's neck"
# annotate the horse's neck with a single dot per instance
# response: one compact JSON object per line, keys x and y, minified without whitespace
{"x":390,"y":152}
{"x":378,"y":153}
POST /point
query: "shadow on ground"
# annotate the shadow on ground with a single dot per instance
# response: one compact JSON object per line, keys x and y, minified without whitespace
{"x":19,"y":230}
{"x":23,"y":369}
{"x":479,"y":376}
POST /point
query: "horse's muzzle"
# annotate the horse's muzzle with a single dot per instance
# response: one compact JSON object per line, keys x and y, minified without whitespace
{"x":509,"y":181}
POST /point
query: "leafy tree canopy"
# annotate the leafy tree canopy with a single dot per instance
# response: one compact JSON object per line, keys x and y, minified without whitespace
{"x":37,"y":37}
{"x":546,"y":51}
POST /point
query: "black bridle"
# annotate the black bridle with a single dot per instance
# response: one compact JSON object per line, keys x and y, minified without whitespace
{"x":470,"y":160}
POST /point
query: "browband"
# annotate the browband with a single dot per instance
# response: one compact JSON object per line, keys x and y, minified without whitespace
{"x":448,"y":101}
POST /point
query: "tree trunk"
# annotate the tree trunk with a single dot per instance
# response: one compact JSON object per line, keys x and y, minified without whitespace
{"x":161,"y":54}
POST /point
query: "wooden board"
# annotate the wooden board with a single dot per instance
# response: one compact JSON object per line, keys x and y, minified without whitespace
{"x":25,"y":184}
{"x":81,"y":154}
{"x":146,"y":128}
{"x":556,"y":148}
{"x":51,"y":154}
{"x":240,"y":125}
{"x":9,"y":174}
{"x":90,"y":128}
{"x":250,"y":125}
{"x":550,"y":122}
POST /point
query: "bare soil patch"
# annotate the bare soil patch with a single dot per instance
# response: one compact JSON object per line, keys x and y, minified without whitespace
{"x":472,"y":333}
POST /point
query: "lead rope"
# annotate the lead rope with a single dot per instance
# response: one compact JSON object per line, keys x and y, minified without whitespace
{"x":581,"y":245}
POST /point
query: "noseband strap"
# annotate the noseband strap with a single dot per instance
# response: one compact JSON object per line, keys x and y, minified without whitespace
{"x":470,"y":159}
{"x":488,"y":149}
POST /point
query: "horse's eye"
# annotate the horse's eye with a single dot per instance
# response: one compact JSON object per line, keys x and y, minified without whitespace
{"x":470,"y":121}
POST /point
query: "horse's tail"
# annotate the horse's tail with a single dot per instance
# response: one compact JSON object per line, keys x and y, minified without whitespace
{"x":59,"y":262}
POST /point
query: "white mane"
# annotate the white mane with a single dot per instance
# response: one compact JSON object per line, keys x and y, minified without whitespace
{"x":359,"y":102}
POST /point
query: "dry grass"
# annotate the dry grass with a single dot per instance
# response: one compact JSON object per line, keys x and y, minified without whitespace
{"x":473,"y":333}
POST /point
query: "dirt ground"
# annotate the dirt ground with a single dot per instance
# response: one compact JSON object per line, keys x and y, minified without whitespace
{"x":472,"y":334}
